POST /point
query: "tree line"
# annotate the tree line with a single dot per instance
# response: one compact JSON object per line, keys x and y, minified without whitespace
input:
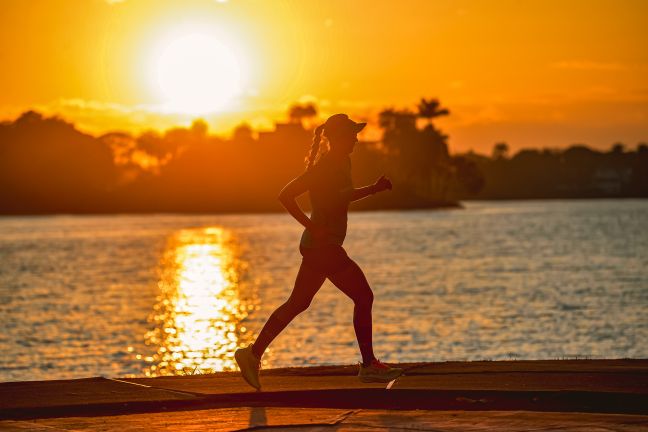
{"x":48,"y":166}
{"x":574,"y":172}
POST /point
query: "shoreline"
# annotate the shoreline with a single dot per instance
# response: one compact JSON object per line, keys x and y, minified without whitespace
{"x":458,"y":205}
{"x":451,"y":205}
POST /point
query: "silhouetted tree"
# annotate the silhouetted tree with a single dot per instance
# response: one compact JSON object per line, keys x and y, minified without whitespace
{"x":298,"y":112}
{"x":419,"y":157}
{"x":500,"y":151}
{"x":397,"y":122}
{"x":470,"y":178}
{"x":577,"y":171}
{"x":243,"y":134}
{"x":430,"y":109}
{"x":199,"y":128}
{"x":46,"y":165}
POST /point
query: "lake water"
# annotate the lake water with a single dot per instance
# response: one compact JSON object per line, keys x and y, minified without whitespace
{"x":136,"y":295}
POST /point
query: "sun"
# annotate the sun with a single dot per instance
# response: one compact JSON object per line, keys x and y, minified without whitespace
{"x":195,"y":73}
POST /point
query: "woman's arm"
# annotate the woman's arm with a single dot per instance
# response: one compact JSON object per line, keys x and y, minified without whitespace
{"x":363,"y":192}
{"x":380,"y":185}
{"x":288,"y":196}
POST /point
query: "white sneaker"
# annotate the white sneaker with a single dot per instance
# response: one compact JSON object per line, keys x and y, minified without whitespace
{"x":249,"y":365}
{"x":378,"y":372}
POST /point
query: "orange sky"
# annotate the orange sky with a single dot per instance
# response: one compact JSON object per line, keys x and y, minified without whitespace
{"x":531,"y":73}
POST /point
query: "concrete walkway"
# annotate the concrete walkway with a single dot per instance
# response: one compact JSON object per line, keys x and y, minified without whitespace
{"x":509,"y":395}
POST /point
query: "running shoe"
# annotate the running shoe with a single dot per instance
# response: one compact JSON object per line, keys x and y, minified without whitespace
{"x":378,"y":372}
{"x":249,"y":365}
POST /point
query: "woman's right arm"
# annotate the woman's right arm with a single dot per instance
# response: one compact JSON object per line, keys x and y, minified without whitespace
{"x":288,"y":195}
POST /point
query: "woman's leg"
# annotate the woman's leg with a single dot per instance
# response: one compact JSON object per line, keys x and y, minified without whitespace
{"x":352,"y":282}
{"x":309,"y":280}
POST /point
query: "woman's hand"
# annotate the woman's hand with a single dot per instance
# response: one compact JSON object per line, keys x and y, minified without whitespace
{"x":383,"y":183}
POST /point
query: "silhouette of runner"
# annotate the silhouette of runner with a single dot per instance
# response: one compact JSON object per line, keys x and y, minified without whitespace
{"x":329,"y":185}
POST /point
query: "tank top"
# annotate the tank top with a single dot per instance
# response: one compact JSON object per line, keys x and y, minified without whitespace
{"x":329,"y":186}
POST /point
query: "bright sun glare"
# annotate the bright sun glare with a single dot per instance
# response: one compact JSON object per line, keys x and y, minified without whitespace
{"x":195,"y":73}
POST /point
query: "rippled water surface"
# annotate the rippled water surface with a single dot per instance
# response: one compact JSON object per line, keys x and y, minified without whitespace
{"x":176,"y":294}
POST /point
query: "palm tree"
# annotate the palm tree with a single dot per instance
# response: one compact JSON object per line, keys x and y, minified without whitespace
{"x":298,"y":112}
{"x":500,"y":151}
{"x":429,"y":109}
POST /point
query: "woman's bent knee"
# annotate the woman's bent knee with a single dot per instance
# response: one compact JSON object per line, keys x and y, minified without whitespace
{"x":295,"y":307}
{"x":366,"y":299}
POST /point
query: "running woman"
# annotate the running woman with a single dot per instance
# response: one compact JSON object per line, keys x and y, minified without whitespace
{"x":328,"y":182}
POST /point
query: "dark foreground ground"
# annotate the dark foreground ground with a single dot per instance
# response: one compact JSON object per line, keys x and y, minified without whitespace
{"x":583,"y":395}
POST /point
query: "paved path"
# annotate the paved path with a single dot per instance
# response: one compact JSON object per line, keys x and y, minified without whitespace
{"x":509,"y":395}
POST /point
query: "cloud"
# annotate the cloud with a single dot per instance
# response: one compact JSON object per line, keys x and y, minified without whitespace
{"x":587,"y":65}
{"x":82,"y":104}
{"x":99,"y":117}
{"x":468,"y":115}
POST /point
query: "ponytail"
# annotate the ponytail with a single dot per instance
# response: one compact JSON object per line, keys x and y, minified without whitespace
{"x":314,"y":150}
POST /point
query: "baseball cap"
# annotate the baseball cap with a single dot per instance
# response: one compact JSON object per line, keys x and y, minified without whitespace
{"x":340,"y":123}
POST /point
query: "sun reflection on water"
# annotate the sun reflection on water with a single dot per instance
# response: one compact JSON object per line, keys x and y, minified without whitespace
{"x":199,"y":312}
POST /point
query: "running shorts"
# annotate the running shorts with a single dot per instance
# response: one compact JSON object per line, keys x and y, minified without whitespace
{"x":328,"y":259}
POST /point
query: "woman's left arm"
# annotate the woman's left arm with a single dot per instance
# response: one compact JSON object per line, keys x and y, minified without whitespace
{"x":380,"y":185}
